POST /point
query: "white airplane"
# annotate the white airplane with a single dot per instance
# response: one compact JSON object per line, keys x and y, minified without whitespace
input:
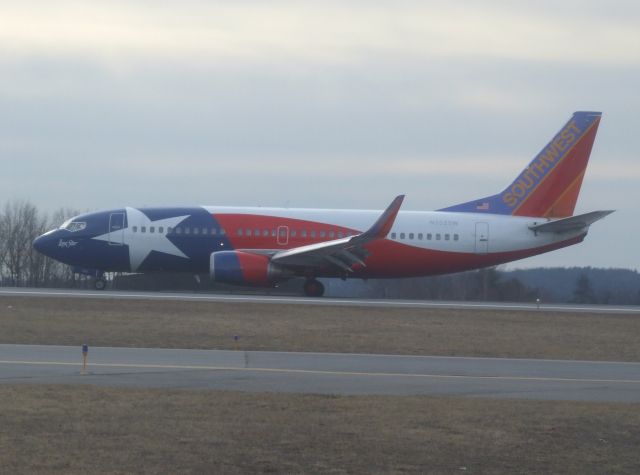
{"x":264,"y":246}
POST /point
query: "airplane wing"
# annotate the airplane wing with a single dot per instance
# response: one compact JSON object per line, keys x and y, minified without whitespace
{"x":571,"y":223}
{"x":343,"y":253}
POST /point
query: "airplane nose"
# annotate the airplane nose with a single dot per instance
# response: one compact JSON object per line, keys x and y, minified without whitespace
{"x":38,"y":244}
{"x":42,"y":244}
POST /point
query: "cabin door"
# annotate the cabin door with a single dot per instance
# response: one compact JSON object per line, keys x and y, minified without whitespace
{"x":283,"y":235}
{"x":116,"y":229}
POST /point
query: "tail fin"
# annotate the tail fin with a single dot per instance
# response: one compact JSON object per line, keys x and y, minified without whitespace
{"x":550,"y":184}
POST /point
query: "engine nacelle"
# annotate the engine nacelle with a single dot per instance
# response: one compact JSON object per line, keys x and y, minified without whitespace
{"x":243,"y":268}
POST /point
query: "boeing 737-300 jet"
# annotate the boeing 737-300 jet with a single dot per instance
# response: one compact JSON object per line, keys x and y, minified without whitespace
{"x":264,"y":246}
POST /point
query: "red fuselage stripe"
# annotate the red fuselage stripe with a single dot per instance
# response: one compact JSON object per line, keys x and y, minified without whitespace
{"x":387,"y":258}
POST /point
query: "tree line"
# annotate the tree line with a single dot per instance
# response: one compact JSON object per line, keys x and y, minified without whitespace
{"x":20,"y":264}
{"x":488,"y":284}
{"x":583,"y":285}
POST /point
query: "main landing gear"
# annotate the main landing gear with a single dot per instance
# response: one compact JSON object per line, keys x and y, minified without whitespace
{"x":99,"y":282}
{"x":313,"y":288}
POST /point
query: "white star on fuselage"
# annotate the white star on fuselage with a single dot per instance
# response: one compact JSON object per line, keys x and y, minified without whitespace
{"x":141,"y":244}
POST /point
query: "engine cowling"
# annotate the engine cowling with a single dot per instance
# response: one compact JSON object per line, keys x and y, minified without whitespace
{"x":243,"y":268}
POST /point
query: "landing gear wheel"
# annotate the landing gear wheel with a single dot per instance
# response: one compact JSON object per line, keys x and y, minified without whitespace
{"x":99,"y":284}
{"x":313,"y":288}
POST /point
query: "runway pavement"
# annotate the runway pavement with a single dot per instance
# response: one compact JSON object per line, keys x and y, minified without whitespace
{"x":265,"y":299}
{"x":323,"y":373}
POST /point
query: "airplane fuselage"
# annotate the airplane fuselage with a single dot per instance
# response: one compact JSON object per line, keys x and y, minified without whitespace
{"x":183,"y":239}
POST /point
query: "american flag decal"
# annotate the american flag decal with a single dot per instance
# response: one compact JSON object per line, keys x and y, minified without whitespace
{"x":484,"y":206}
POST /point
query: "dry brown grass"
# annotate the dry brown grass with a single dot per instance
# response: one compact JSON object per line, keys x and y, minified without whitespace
{"x":84,"y":429}
{"x":81,"y":429}
{"x":174,"y":324}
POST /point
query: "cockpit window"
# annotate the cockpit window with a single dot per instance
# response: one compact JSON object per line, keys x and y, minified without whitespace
{"x":73,"y":226}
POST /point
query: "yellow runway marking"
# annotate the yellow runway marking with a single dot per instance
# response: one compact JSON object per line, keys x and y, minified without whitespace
{"x":325,"y":372}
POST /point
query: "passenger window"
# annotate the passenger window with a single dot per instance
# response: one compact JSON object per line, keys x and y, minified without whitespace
{"x":455,"y":237}
{"x":196,"y":230}
{"x":420,"y":236}
{"x":340,"y":234}
{"x":143,"y":229}
{"x":437,"y":236}
{"x":313,"y":234}
{"x":248,"y":232}
{"x":160,"y":229}
{"x":205,"y":231}
{"x":214,"y":231}
{"x":135,"y":229}
{"x":303,"y":234}
{"x":401,"y":235}
{"x":410,"y":235}
{"x":239,"y":232}
{"x":178,"y":230}
{"x":322,"y":234}
{"x":273,"y":233}
{"x":446,"y":237}
{"x":294,"y":233}
{"x":169,"y":230}
{"x":222,"y":232}
{"x":187,"y":230}
{"x":152,"y":229}
{"x":283,"y":232}
{"x":265,"y":233}
{"x":428,"y":236}
{"x":332,"y":234}
{"x":256,"y":232}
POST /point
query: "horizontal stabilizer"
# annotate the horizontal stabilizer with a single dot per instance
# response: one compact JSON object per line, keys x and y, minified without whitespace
{"x":570,"y":224}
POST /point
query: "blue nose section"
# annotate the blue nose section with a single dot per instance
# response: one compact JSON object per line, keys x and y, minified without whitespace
{"x":59,"y":246}
{"x":45,"y":244}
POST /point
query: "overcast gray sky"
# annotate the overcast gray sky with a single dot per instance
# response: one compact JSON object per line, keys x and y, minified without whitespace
{"x":317,"y":104}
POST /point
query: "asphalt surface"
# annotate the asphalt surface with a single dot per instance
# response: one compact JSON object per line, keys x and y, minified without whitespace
{"x":323,"y":373}
{"x":243,"y":298}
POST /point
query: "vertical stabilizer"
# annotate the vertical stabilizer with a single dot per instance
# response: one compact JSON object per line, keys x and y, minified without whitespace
{"x":550,"y":184}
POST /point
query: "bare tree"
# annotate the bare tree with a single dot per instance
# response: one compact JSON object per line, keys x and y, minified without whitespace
{"x":20,"y":225}
{"x":35,"y":261}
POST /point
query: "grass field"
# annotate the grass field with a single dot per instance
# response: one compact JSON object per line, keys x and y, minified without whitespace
{"x":174,"y":324}
{"x":86,"y":429}
{"x":69,"y":429}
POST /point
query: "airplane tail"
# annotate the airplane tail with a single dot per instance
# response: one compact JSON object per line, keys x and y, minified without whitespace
{"x":550,"y":184}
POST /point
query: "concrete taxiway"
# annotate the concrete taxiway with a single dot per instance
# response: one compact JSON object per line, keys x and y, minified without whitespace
{"x":323,"y":373}
{"x":265,"y":299}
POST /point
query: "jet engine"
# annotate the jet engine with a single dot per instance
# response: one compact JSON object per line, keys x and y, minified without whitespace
{"x":244,"y":268}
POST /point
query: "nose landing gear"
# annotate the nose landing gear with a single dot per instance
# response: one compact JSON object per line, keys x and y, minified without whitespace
{"x":96,"y":277}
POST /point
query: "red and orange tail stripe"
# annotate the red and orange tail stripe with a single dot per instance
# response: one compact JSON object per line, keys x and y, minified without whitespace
{"x":549,"y":186}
